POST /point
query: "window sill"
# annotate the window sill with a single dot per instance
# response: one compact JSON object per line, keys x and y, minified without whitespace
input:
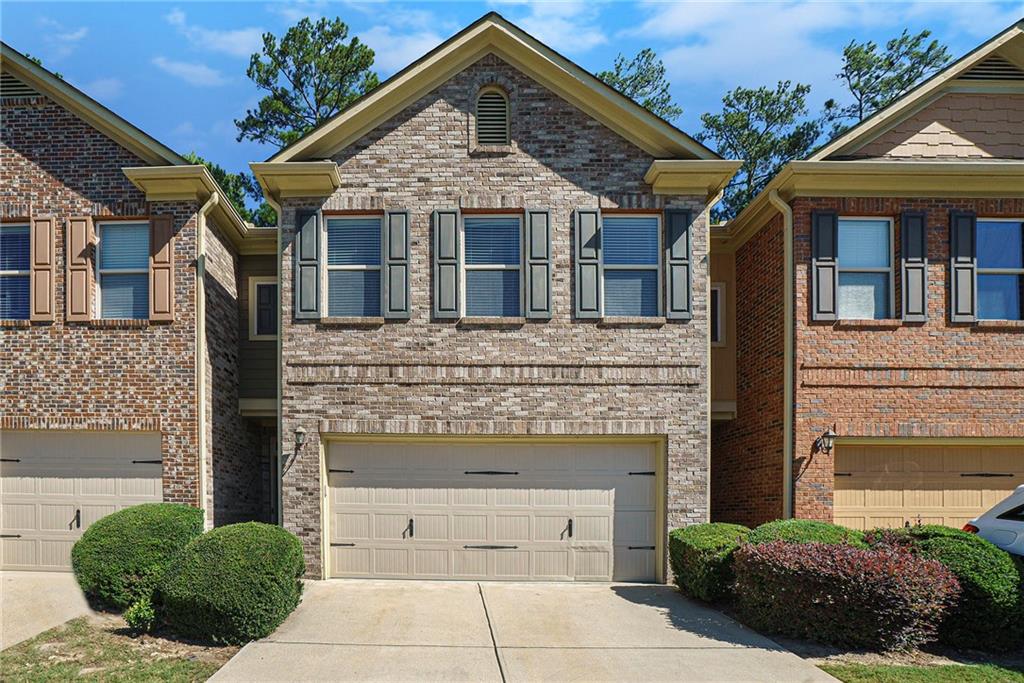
{"x":352,"y":321}
{"x":871,"y":324}
{"x":998,"y":324}
{"x":495,"y":150}
{"x":15,"y":323}
{"x":616,"y":320}
{"x":119,"y":323}
{"x":491,"y":321}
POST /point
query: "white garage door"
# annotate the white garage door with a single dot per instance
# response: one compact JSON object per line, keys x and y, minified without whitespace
{"x":501,"y":511}
{"x":53,"y":485}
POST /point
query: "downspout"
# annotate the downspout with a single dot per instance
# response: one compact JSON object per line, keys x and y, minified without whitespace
{"x":211,"y":202}
{"x":278,"y":493}
{"x":788,"y":325}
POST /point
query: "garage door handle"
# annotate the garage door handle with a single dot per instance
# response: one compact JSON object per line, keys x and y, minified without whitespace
{"x":490,"y":547}
{"x":343,"y":545}
{"x":78,"y":519}
{"x":10,"y":459}
{"x":986,"y":474}
{"x":570,"y":528}
{"x":412,"y":528}
{"x":640,"y":547}
{"x":10,"y":535}
{"x":488,"y":472}
{"x":341,"y":471}
{"x":146,"y":462}
{"x":642,"y":474}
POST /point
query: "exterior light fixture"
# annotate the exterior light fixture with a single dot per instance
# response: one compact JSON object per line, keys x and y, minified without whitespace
{"x":300,"y":436}
{"x":825,"y":442}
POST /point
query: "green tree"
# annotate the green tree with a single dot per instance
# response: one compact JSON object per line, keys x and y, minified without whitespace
{"x":766,"y":128}
{"x":642,"y":79}
{"x":38,"y":62}
{"x":236,"y":186}
{"x":313,"y":73}
{"x":877,"y":78}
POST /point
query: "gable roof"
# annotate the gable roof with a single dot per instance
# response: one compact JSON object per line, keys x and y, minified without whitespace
{"x":492,"y":33}
{"x":1005,"y":49}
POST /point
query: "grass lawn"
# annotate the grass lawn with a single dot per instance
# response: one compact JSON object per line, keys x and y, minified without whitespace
{"x":947,"y":673}
{"x":101,"y":649}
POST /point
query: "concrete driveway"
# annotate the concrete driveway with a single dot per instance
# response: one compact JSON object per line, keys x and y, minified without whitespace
{"x":430,"y":631}
{"x":33,"y":602}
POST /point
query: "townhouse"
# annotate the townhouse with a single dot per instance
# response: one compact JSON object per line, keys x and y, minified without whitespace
{"x":868,"y":366}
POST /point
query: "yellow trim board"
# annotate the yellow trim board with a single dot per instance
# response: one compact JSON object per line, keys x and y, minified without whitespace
{"x":297,"y":178}
{"x":494,"y":34}
{"x":928,"y":441}
{"x":702,"y":177}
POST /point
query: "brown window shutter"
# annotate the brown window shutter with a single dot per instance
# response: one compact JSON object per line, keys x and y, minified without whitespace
{"x":161,"y":268}
{"x":78,"y":281}
{"x":43,"y":260}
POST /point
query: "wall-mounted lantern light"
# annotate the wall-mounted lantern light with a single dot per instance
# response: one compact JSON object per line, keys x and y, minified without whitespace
{"x":300,"y":437}
{"x":825,"y":442}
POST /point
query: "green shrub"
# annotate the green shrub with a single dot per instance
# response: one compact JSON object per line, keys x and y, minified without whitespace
{"x":141,"y":616}
{"x":701,"y":557}
{"x":806,"y":531}
{"x":235,"y":583}
{"x":121,"y":557}
{"x":988,"y":613}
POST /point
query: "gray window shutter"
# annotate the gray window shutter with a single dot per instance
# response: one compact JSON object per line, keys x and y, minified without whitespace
{"x":963,"y":296}
{"x":395,"y":289}
{"x":538,"y":264}
{"x":914,"y":265}
{"x":447,"y":265}
{"x":589,"y":268}
{"x":307,"y":264}
{"x":824,"y":265}
{"x":678,"y":277}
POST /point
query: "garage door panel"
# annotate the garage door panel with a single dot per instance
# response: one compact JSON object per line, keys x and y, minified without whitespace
{"x":633,"y":564}
{"x":469,"y":527}
{"x":18,"y":516}
{"x":469,"y":564}
{"x":553,"y":565}
{"x":431,"y":562}
{"x":511,"y":564}
{"x":516,"y":528}
{"x":593,"y":564}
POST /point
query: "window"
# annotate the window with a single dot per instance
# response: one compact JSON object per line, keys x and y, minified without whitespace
{"x":122,"y":270}
{"x":865,"y":268}
{"x":1000,"y":249}
{"x":262,"y":308}
{"x":632,"y":251}
{"x":353,"y":267}
{"x":716,"y":313}
{"x":492,"y":120}
{"x":1014,"y":514}
{"x":14,"y":272}
{"x":492,"y":271}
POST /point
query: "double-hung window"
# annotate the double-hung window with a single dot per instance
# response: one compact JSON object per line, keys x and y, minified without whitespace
{"x":14,"y":272}
{"x":493,"y":274}
{"x":1000,"y":248}
{"x":353,"y":267}
{"x":122,"y":270}
{"x":262,"y":308}
{"x":632,"y":258}
{"x":865,"y":268}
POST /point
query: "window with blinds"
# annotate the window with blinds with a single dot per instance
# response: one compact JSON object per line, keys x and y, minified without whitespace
{"x":631,"y":248}
{"x":354,"y":267}
{"x":865,"y":268}
{"x":14,"y":272}
{"x":492,"y":118}
{"x":492,"y":266}
{"x":122,"y":270}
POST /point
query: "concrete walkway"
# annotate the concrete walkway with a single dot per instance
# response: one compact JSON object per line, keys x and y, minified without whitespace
{"x":430,"y":631}
{"x":33,"y":602}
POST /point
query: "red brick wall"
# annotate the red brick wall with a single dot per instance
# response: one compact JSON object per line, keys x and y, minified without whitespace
{"x":932,"y":379}
{"x":746,"y":453}
{"x":99,"y":376}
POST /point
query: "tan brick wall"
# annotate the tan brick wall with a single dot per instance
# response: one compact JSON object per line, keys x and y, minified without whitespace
{"x":564,"y":376}
{"x":124,"y":376}
{"x":956,"y":126}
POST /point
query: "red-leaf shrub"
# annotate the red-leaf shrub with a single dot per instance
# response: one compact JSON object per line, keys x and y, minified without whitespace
{"x":879,"y":599}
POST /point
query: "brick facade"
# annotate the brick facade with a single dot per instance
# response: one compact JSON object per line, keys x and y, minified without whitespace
{"x":563,"y":376}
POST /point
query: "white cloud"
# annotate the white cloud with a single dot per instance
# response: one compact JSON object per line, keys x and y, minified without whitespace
{"x":292,"y":12}
{"x":394,"y":51}
{"x":240,"y":42}
{"x":569,"y":27}
{"x":191,"y":72}
{"x":104,"y":88}
{"x":61,"y":41}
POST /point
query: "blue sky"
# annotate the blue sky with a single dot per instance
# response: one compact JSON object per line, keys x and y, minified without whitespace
{"x":177,"y":70}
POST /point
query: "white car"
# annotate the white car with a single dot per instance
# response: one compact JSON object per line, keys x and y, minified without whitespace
{"x":1003,"y":525}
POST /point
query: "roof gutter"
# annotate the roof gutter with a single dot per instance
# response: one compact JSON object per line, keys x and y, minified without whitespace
{"x":789,"y":316}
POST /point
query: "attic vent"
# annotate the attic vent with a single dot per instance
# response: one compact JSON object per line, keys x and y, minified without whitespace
{"x":994,"y":68}
{"x":492,"y":118}
{"x":11,"y":87}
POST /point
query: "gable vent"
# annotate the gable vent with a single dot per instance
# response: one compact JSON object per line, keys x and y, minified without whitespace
{"x":994,"y":68}
{"x":492,"y":119}
{"x":11,"y":87}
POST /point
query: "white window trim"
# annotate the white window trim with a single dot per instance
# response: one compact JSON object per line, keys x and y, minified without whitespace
{"x":115,"y":271}
{"x":254,"y":283}
{"x":891,"y":270}
{"x":20,"y":273}
{"x":495,"y":266}
{"x":328,"y":268}
{"x":996,"y":271}
{"x":660,"y":267}
{"x":719,"y":321}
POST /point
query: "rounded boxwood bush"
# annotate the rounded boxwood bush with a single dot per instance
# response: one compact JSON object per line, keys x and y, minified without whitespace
{"x":234,"y":584}
{"x":121,"y":557}
{"x":806,"y":531}
{"x":701,"y":557}
{"x":987,"y":615}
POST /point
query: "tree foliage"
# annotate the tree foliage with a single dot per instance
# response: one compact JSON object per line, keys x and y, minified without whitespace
{"x":764,"y":127}
{"x":642,"y":79}
{"x":875,"y":79}
{"x":313,"y":73}
{"x":236,"y":187}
